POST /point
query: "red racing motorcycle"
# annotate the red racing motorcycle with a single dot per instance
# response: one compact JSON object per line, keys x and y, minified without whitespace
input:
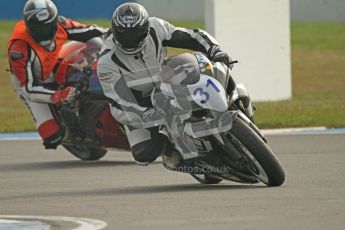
{"x":90,"y":127}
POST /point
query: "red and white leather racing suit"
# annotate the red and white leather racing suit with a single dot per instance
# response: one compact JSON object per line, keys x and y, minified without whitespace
{"x":36,"y":76}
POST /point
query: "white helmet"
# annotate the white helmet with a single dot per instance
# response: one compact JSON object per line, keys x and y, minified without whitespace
{"x":130,"y":27}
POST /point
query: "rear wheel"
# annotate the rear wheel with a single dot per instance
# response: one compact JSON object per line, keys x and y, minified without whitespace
{"x":86,"y":153}
{"x":257,"y":156}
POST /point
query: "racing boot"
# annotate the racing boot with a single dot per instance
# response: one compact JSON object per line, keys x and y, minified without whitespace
{"x":172,"y":159}
{"x":72,"y":128}
{"x":88,"y":122}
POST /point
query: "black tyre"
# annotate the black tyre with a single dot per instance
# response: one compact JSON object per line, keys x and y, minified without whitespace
{"x":85,"y":153}
{"x":206,"y":179}
{"x":260,"y":157}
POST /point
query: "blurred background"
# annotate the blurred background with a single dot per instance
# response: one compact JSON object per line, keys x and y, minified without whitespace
{"x":316,"y":52}
{"x":301,"y":10}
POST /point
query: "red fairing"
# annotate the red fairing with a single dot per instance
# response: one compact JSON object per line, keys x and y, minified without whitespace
{"x":110,"y":131}
{"x":48,"y":129}
{"x":68,"y":49}
{"x":71,"y":47}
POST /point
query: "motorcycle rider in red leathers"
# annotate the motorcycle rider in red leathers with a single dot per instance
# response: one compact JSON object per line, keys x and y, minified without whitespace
{"x":33,"y":52}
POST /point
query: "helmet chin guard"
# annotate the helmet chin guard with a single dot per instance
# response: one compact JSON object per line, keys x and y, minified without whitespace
{"x":131,"y":51}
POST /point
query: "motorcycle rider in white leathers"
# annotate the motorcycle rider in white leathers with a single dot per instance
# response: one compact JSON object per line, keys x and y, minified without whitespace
{"x":130,"y":60}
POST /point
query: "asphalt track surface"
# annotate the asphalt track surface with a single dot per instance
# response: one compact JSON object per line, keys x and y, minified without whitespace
{"x":34,"y":182}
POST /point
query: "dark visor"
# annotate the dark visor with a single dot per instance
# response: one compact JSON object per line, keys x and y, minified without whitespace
{"x":43,"y":32}
{"x":131,"y":38}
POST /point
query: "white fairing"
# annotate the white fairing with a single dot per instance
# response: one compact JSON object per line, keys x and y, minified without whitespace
{"x":208,"y":93}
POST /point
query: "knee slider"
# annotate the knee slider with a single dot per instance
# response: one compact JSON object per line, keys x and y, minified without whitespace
{"x":145,"y":152}
{"x":148,"y":151}
{"x":55,"y":140}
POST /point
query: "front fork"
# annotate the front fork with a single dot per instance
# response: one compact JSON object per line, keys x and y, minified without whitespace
{"x":241,"y":99}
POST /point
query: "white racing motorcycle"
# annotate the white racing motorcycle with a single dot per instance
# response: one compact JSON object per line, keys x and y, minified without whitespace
{"x":210,"y":125}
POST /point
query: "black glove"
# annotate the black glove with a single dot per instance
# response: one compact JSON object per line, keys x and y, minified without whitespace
{"x":153,"y":114}
{"x":217,"y":55}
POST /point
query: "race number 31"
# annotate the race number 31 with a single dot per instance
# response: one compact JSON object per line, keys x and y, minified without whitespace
{"x":203,"y":94}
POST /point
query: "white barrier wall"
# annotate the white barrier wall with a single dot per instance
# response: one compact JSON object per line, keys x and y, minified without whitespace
{"x":175,"y":9}
{"x":257,"y":33}
{"x":318,"y":10}
{"x":301,"y":10}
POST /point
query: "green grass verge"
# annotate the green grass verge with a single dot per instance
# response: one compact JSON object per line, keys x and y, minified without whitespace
{"x":318,"y":78}
{"x":318,"y":59}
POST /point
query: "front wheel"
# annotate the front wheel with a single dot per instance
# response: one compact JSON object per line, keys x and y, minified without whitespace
{"x":260,"y":159}
{"x":86,"y":153}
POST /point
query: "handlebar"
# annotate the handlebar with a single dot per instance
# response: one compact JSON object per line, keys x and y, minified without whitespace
{"x":233,"y":62}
